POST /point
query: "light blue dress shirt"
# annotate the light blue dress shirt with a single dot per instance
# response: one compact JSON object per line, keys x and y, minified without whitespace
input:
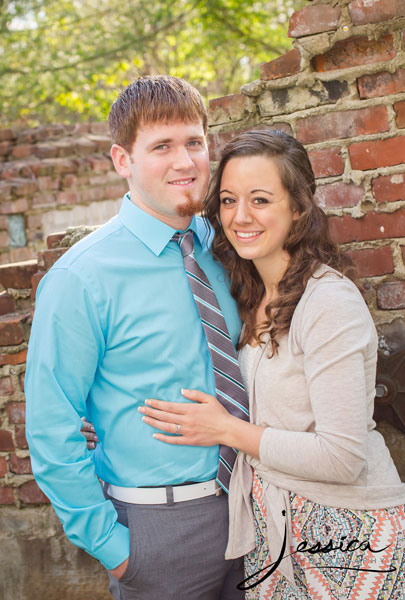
{"x":116,"y":323}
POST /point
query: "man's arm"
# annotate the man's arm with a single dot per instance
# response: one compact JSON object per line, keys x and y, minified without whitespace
{"x":65,"y":348}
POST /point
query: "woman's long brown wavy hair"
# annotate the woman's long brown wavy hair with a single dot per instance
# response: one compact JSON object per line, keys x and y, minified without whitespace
{"x":308,"y":244}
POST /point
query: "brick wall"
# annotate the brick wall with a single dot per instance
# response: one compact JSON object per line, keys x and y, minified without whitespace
{"x":52,"y":177}
{"x":341,"y":91}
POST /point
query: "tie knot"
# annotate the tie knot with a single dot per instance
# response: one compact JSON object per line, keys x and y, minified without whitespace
{"x":185,"y":241}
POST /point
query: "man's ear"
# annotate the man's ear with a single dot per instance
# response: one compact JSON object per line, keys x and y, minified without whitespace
{"x":121,"y":160}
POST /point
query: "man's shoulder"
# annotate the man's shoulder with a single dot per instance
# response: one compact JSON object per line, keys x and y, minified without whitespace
{"x":97,"y":243}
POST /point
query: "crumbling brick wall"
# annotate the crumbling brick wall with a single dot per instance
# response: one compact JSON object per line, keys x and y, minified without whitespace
{"x":341,"y":91}
{"x":52,"y":177}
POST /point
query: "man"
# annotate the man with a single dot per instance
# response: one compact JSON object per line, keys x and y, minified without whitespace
{"x":116,"y":323}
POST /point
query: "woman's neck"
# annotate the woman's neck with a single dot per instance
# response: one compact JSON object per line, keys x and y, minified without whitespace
{"x":271,"y":271}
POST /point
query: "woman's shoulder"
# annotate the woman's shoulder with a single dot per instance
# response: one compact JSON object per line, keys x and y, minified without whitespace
{"x":331,"y":297}
{"x":327,"y":282}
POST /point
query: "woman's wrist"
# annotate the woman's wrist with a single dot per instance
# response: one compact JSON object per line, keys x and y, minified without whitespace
{"x":243,"y":436}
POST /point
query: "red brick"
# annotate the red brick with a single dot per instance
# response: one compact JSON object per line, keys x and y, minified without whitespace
{"x":371,"y":262}
{"x":99,"y":128}
{"x":51,"y":256}
{"x":3,"y":466}
{"x":44,"y":199}
{"x":17,"y":206}
{"x":84,"y":146}
{"x":68,"y":198}
{"x":17,"y":358}
{"x":389,"y":188}
{"x":70,"y":181}
{"x":16,"y":412}
{"x":6,"y":441}
{"x":228,"y":108}
{"x":22,"y":254}
{"x":18,"y":275}
{"x":355,"y":51}
{"x":46,"y":151}
{"x":29,"y":493}
{"x":6,"y":495}
{"x":379,"y":153}
{"x":93,"y":194}
{"x":342,"y":124}
{"x":99,"y":164}
{"x":217,"y":141}
{"x":103,"y":142}
{"x":34,"y":221}
{"x":21,"y":379}
{"x":283,"y":66}
{"x":338,"y":195}
{"x":373,"y":226}
{"x":35,"y":283}
{"x":5,"y":194}
{"x":4,"y":239}
{"x":20,"y":437}
{"x":22,"y":150}
{"x":314,"y":19}
{"x":6,"y":386}
{"x":364,"y":11}
{"x":381,"y":84}
{"x":55,"y":238}
{"x":399,"y":108}
{"x":23,"y":187}
{"x":20,"y":466}
{"x":4,"y":148}
{"x":11,"y":332}
{"x":391,"y":295}
{"x":326,"y":162}
{"x":403,"y":253}
{"x":7,"y":134}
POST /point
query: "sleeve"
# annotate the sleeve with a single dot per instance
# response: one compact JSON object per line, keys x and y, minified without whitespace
{"x":334,"y":334}
{"x":65,"y":347}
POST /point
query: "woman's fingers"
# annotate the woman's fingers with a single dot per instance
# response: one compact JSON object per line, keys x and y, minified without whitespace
{"x":163,"y":425}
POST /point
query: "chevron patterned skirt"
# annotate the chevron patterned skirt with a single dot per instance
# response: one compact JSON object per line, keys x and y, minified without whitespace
{"x":313,"y":580}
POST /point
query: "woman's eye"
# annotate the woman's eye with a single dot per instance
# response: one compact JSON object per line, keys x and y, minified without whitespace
{"x":260,"y":200}
{"x":227,"y":200}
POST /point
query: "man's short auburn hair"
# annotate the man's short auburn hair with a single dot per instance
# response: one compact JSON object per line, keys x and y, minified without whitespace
{"x":154,"y":99}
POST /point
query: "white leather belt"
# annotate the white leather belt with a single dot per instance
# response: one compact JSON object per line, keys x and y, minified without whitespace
{"x":158,"y":495}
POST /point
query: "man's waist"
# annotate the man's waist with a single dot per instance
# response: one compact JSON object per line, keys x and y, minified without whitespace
{"x":164,"y":494}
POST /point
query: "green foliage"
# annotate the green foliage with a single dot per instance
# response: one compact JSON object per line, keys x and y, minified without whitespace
{"x":66,"y":60}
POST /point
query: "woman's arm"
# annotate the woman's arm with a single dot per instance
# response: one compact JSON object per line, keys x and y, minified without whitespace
{"x":203,"y":422}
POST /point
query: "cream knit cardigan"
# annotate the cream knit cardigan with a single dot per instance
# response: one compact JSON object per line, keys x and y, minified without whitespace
{"x":316,"y":400}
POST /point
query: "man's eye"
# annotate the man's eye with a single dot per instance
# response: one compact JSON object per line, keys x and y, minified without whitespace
{"x":196,"y":143}
{"x":161,"y":147}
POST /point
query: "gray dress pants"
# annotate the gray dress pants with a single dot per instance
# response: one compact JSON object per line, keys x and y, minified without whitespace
{"x":177,"y":552}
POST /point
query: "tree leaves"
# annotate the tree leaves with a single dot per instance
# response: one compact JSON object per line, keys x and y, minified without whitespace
{"x":66,"y":60}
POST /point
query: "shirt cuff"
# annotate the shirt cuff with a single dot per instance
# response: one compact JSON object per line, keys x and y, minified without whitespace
{"x":116,"y":549}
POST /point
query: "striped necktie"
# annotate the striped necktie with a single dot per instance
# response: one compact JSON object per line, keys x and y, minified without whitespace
{"x":229,"y":386}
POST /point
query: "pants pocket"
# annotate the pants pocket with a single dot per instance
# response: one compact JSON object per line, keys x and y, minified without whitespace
{"x":134,"y":552}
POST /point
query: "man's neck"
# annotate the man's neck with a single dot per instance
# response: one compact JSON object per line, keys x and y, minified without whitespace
{"x":174,"y":221}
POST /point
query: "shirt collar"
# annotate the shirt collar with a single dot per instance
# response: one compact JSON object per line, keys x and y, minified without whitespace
{"x":151,"y":231}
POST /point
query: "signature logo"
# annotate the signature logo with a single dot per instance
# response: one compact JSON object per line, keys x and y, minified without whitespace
{"x":317,"y":548}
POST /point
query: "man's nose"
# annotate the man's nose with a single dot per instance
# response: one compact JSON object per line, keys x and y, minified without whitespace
{"x":182,"y":159}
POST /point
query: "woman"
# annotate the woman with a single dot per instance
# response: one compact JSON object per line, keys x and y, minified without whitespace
{"x":321,"y":477}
